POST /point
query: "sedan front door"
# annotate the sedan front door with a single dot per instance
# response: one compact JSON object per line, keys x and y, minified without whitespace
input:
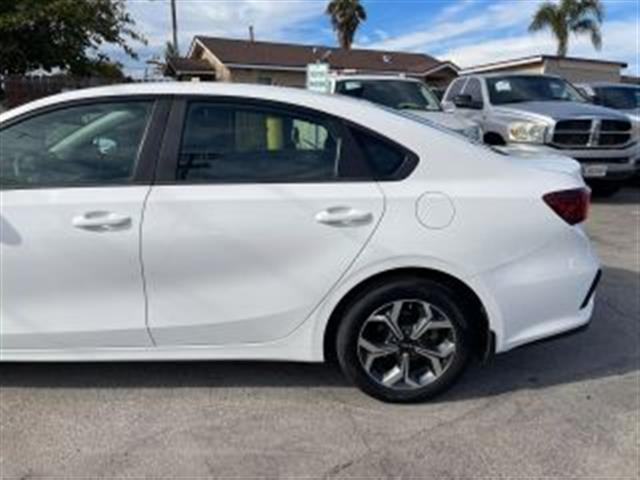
{"x":71,"y":203}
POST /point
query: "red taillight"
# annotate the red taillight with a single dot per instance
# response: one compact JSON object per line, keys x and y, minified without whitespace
{"x":570,"y":205}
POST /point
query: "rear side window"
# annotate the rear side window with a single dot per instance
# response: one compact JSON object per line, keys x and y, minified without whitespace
{"x":74,"y":146}
{"x":244,"y":143}
{"x":386,"y":160}
{"x":455,"y":89}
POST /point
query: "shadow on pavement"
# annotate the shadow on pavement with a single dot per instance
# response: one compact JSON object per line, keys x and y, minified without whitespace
{"x":627,"y":196}
{"x":608,"y":348}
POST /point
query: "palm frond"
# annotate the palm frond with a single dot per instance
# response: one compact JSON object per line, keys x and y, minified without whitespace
{"x":592,"y":7}
{"x":545,"y":17}
{"x":591,"y":27}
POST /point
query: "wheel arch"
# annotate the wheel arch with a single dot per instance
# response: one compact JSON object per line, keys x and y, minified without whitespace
{"x":494,"y":138}
{"x":485,"y":342}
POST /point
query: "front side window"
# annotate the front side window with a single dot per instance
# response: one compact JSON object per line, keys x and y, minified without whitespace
{"x":230,"y":143}
{"x":474,"y":90}
{"x":74,"y":146}
{"x":456,"y":89}
{"x":398,"y":94}
{"x":515,"y":89}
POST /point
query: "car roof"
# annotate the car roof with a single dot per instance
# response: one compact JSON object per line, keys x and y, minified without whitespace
{"x":324,"y":102}
{"x":508,"y":74}
{"x":611,"y":84}
{"x":375,"y":77}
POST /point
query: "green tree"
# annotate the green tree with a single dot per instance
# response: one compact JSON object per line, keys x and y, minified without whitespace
{"x":580,"y":17}
{"x":65,"y":34}
{"x":346,"y":16}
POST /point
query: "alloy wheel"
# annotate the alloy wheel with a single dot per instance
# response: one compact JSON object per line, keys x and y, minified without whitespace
{"x":406,"y":344}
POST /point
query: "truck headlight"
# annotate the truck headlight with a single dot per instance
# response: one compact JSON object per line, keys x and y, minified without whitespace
{"x":474,"y":132}
{"x":527,"y":132}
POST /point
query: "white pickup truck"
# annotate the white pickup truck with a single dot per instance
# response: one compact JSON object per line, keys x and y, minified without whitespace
{"x":403,"y":93}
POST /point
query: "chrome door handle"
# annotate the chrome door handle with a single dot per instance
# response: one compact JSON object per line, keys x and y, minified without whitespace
{"x":101,"y":221}
{"x":344,"y":217}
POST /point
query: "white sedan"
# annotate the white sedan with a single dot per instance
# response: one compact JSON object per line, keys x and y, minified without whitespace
{"x":210,"y":221}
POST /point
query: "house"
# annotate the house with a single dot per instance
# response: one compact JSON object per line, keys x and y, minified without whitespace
{"x":250,"y":61}
{"x":189,"y":68}
{"x":574,"y":69}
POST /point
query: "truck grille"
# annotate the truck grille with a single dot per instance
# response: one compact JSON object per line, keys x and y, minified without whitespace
{"x":587,"y":133}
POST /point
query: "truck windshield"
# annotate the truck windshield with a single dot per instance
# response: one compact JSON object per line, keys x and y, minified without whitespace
{"x":398,"y":94}
{"x":514,"y":89}
{"x":620,"y":98}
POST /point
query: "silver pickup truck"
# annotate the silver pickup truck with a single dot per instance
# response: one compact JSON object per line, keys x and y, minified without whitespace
{"x":546,"y":114}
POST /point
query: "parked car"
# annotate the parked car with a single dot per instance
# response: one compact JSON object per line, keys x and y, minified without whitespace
{"x":406,"y":94}
{"x":618,"y":96}
{"x":546,"y":114}
{"x":192,"y":221}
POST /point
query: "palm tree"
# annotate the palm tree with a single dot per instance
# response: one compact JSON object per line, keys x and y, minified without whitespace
{"x":346,"y":16}
{"x":570,"y":16}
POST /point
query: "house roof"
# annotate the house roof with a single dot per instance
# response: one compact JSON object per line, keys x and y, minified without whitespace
{"x":533,"y":59}
{"x":294,"y":56}
{"x":182,"y":65}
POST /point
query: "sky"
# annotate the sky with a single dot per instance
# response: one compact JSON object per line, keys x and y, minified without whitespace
{"x":468,"y":32}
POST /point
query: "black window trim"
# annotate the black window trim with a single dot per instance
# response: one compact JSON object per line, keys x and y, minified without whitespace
{"x":358,"y":167}
{"x":148,"y":151}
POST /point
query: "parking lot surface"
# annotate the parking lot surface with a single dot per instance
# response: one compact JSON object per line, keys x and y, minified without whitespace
{"x":568,"y":408}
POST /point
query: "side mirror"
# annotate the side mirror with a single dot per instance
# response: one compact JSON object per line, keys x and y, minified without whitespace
{"x":465,"y":101}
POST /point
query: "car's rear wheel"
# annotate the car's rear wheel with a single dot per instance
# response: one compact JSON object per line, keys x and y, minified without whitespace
{"x":404,"y":341}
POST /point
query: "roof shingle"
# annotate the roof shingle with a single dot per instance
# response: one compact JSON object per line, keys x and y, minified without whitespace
{"x":245,"y":52}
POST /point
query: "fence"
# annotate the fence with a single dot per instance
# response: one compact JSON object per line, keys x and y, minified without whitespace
{"x":19,"y":90}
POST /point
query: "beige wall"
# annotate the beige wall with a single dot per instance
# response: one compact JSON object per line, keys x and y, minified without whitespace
{"x":277,"y":77}
{"x":577,"y":71}
{"x":536,"y":68}
{"x":222,"y":72}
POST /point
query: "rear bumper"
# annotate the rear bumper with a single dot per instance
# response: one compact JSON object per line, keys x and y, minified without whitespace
{"x":549,"y":292}
{"x":621,"y":163}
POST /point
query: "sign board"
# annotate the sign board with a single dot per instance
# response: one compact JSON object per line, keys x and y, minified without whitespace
{"x":318,"y":77}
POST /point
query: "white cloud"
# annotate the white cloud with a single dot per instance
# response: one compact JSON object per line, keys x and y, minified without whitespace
{"x":620,"y":43}
{"x":271,"y":20}
{"x":459,"y":19}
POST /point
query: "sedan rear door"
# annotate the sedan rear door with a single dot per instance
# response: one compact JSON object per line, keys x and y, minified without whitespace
{"x":258,"y":210}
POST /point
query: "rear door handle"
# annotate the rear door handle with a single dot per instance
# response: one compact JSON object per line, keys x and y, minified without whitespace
{"x":344,"y":217}
{"x":101,"y":221}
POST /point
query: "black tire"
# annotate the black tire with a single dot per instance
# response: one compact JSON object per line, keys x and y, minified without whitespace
{"x":362,"y":307}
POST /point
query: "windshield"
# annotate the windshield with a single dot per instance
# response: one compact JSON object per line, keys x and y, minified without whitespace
{"x":620,"y":98}
{"x":514,"y":89}
{"x":398,"y":94}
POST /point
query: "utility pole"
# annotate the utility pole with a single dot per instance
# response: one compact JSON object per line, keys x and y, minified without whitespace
{"x":174,"y":25}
